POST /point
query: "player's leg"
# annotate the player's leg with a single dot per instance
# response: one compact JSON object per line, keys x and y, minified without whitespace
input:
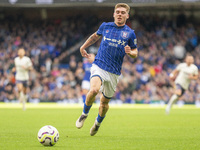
{"x":178,"y":92}
{"x":108,"y":90}
{"x":24,"y":98}
{"x":20,"y":91}
{"x":95,"y":84}
{"x":103,"y":108}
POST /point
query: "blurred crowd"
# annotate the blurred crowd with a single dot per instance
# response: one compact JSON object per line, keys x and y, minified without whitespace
{"x":162,"y":42}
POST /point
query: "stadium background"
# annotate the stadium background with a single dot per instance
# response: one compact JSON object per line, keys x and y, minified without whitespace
{"x":52,"y":32}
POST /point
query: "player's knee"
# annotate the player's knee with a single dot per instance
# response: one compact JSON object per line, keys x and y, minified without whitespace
{"x":177,"y":92}
{"x":104,"y":105}
{"x":94,"y":91}
{"x":20,"y":89}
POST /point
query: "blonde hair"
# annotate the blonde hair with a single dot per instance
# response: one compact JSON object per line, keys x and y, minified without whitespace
{"x":124,"y":5}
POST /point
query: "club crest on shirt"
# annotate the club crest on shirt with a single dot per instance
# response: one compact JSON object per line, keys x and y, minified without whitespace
{"x":107,"y":31}
{"x":124,"y":34}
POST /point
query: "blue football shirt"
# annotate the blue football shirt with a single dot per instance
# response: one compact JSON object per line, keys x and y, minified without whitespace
{"x":111,"y":51}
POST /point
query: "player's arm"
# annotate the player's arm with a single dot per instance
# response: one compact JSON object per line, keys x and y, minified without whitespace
{"x":28,"y":68}
{"x":193,"y":77}
{"x":91,"y":40}
{"x":29,"y":65}
{"x":173,"y":75}
{"x":133,"y":53}
{"x":13,"y":69}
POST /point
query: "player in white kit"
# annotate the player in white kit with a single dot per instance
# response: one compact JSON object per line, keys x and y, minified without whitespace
{"x":183,"y":74}
{"x":22,"y":66}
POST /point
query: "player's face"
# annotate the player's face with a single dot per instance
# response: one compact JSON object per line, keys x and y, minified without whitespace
{"x":120,"y":16}
{"x":21,"y":52}
{"x":189,"y":60}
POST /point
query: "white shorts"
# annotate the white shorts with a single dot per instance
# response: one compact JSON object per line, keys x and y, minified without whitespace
{"x":85,"y":84}
{"x":109,"y":81}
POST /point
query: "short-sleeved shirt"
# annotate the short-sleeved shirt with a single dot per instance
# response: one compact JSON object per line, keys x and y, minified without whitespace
{"x":111,"y":51}
{"x":21,"y":73}
{"x":184,"y":72}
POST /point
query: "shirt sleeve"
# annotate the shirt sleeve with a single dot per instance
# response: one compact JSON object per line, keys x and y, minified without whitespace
{"x":179,"y":67}
{"x":133,"y":41}
{"x":15,"y":62}
{"x":196,"y":71}
{"x":29,"y":63}
{"x":100,"y":30}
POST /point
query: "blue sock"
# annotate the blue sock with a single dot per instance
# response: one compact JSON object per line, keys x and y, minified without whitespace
{"x":100,"y":119}
{"x":86,"y":108}
{"x":84,"y":98}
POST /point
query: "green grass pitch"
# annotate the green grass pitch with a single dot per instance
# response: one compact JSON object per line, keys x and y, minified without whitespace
{"x":128,"y":127}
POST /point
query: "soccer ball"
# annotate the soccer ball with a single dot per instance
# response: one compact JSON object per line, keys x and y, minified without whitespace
{"x":48,"y":135}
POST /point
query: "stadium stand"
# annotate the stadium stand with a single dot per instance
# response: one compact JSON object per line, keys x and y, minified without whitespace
{"x":162,"y":43}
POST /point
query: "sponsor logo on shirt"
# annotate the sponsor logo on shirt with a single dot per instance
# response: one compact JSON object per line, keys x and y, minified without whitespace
{"x":114,"y":42}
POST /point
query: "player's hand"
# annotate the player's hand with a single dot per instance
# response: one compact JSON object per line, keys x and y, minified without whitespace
{"x":191,"y":76}
{"x":131,"y":52}
{"x":172,"y":77}
{"x":24,"y":67}
{"x":13,"y":69}
{"x":91,"y":58}
{"x":127,"y":49}
{"x":84,"y":53}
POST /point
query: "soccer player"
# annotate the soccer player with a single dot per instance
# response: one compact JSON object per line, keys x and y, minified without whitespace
{"x":22,"y":66}
{"x":87,"y":64}
{"x":183,"y":74}
{"x":117,"y":41}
